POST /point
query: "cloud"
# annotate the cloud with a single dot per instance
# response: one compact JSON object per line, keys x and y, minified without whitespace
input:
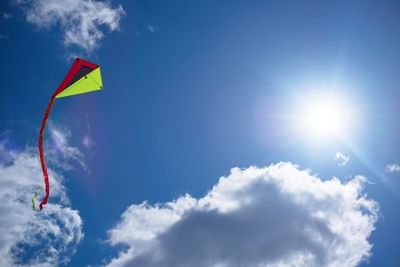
{"x":343,"y":159}
{"x":151,"y":28}
{"x":7,"y":15}
{"x":273,"y":216}
{"x":82,"y":21}
{"x":29,"y":238}
{"x":392,"y":168}
{"x":61,"y":153}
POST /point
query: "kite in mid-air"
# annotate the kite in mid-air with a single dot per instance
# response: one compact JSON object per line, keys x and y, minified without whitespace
{"x":83,"y":77}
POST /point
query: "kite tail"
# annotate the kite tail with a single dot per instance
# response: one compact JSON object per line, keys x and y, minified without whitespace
{"x":34,"y":198}
{"x":41,"y":154}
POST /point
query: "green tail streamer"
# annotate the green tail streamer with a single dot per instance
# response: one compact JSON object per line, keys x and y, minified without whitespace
{"x":34,"y":198}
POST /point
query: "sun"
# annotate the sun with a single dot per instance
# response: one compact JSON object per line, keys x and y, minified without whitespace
{"x":324,"y":117}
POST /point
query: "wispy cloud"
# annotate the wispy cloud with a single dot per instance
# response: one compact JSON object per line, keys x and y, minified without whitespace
{"x":7,"y":15}
{"x":342,"y":159}
{"x":62,"y":153}
{"x":392,"y":168}
{"x":151,"y":28}
{"x":28,"y":238}
{"x":80,"y":20}
{"x":274,"y":216}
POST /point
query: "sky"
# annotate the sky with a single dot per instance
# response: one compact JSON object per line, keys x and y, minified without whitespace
{"x":229,"y":133}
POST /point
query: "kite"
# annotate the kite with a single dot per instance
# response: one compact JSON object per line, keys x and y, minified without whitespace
{"x":83,"y":77}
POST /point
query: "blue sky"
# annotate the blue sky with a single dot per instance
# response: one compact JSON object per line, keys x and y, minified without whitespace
{"x":193,"y":89}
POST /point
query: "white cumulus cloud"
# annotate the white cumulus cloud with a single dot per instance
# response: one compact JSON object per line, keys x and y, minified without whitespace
{"x":274,"y":216}
{"x":342,"y":159}
{"x":82,"y":21}
{"x":32,"y":238}
{"x":392,"y":168}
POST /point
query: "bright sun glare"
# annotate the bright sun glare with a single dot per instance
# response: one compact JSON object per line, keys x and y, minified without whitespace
{"x":324,"y":117}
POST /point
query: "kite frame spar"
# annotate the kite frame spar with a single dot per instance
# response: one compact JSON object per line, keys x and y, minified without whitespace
{"x":76,"y":82}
